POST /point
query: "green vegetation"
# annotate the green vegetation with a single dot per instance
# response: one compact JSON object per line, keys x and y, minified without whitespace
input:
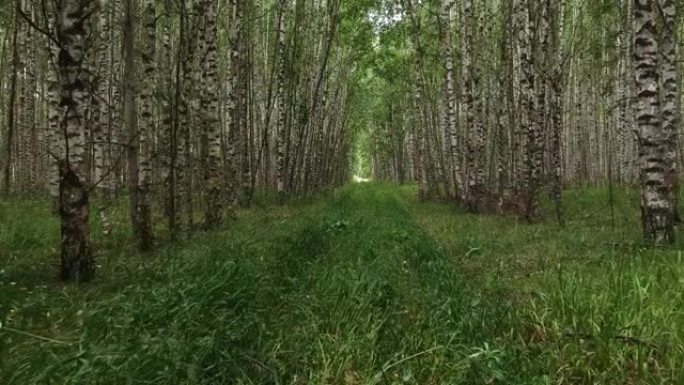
{"x":361,"y":286}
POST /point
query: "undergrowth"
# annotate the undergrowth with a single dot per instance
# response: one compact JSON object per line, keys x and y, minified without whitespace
{"x":361,"y":286}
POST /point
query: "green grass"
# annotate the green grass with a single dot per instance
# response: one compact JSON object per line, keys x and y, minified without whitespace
{"x":360,"y":286}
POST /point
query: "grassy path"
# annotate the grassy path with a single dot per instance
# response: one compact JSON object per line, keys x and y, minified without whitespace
{"x":364,"y":286}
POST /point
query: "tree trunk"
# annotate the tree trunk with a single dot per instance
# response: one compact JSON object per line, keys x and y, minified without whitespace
{"x":420,"y":123}
{"x":130,"y":112}
{"x":556,"y":104}
{"x":280,"y":97}
{"x":656,"y":205}
{"x":537,"y":121}
{"x":72,"y":33}
{"x":669,"y":106}
{"x":11,"y":108}
{"x":449,"y":100}
{"x":211,"y":129}
{"x":147,"y":126}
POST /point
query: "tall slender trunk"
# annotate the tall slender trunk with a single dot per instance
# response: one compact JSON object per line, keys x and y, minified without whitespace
{"x":420,"y":123}
{"x":130,"y":112}
{"x":233,"y":161}
{"x":100,"y":113}
{"x":537,"y":123}
{"x":147,"y":125}
{"x":556,"y":103}
{"x":244,"y":105}
{"x":526,"y":87}
{"x":210,"y":122}
{"x":469,"y":105}
{"x":73,"y":18}
{"x":656,"y":206}
{"x":449,"y":100}
{"x":621,"y":94}
{"x":669,"y":107}
{"x":11,"y":108}
{"x":280,"y":97}
{"x":505,"y":110}
{"x":176,"y":168}
{"x":167,"y":145}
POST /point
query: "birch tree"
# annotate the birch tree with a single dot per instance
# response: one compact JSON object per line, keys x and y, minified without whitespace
{"x":656,"y":204}
{"x":73,"y":20}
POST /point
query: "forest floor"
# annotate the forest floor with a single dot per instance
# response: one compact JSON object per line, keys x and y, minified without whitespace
{"x":363,"y":285}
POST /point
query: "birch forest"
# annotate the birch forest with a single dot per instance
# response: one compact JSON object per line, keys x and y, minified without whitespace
{"x":341,"y":192}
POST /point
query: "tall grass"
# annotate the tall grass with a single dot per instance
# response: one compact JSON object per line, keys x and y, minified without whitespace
{"x":363,"y":286}
{"x":590,"y":303}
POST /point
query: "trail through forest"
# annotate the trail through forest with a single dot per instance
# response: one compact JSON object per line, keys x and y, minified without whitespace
{"x":363,"y":285}
{"x":176,"y":204}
